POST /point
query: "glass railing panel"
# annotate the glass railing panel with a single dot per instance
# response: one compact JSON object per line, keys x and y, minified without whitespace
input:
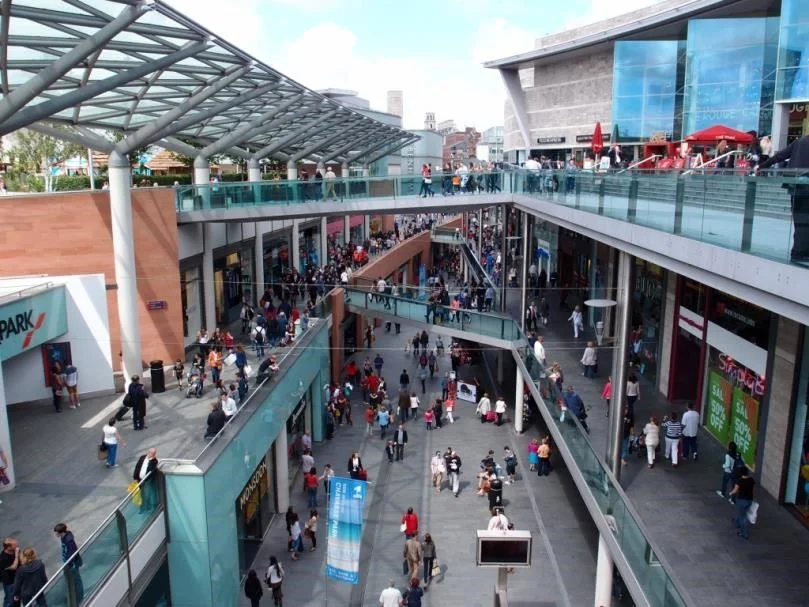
{"x":656,"y":202}
{"x":101,"y":556}
{"x":616,"y":196}
{"x":771,"y":231}
{"x":137,"y":517}
{"x":56,"y":592}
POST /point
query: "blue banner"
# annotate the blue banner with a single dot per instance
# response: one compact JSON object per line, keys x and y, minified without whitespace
{"x":346,"y":512}
{"x":422,"y":282}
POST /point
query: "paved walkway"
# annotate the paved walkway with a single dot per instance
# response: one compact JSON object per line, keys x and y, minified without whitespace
{"x":564,"y":560}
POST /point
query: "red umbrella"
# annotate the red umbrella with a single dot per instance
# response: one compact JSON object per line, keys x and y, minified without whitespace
{"x":598,"y":140}
{"x":717,"y":133}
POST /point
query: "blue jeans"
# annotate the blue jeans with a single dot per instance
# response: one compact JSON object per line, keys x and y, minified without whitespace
{"x":588,"y":371}
{"x":260,"y":350}
{"x":8,"y":594}
{"x":311,"y":494}
{"x":625,"y":448}
{"x":726,"y":477}
{"x":215,"y":372}
{"x":742,"y":524}
{"x":112,"y":451}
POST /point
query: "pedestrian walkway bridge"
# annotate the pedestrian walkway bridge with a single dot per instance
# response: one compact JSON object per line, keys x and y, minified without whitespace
{"x":644,"y":569}
{"x":731,"y":232}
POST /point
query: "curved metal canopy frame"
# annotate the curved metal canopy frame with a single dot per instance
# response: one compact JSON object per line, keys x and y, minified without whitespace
{"x":84,"y":69}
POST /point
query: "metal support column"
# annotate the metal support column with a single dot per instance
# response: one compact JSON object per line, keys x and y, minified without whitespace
{"x":518,"y":398}
{"x":524,"y":270}
{"x":503,"y":257}
{"x":258,"y":255}
{"x":593,"y":313}
{"x":296,"y":244}
{"x":623,"y":296}
{"x":347,"y":229}
{"x":253,"y":170}
{"x":123,"y":248}
{"x":292,"y":171}
{"x":366,"y":227}
{"x":603,"y":596}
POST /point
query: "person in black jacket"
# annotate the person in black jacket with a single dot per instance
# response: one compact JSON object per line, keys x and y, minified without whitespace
{"x":354,"y":465}
{"x":30,"y":578}
{"x":216,"y":420}
{"x":146,"y":468}
{"x":797,"y":153}
{"x":137,"y":396}
{"x":252,"y":588}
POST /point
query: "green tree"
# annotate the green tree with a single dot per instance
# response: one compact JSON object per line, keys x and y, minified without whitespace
{"x":34,"y":154}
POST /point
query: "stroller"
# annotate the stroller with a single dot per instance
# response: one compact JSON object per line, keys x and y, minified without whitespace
{"x":194,"y":385}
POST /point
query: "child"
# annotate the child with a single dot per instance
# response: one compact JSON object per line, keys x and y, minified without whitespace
{"x":389,"y":451}
{"x":429,"y":416}
{"x":533,"y":457}
{"x":179,"y":369}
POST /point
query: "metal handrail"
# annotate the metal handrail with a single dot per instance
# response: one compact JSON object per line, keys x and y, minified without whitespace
{"x":98,"y":530}
{"x":639,"y":162}
{"x":713,"y":160}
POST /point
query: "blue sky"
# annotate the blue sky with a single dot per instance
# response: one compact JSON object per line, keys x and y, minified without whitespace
{"x":430,"y":50}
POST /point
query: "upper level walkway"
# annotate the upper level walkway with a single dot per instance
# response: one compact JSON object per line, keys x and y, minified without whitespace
{"x":731,"y":232}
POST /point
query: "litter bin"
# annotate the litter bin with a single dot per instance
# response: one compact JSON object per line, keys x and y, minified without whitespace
{"x":495,"y":494}
{"x":158,"y":376}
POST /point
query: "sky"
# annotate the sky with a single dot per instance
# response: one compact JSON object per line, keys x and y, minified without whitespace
{"x":431,"y":50}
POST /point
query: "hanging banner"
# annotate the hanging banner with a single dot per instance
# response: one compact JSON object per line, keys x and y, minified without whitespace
{"x":422,"y":282}
{"x":346,"y":510}
{"x":744,"y":425}
{"x":717,"y":418}
{"x":467,"y":392}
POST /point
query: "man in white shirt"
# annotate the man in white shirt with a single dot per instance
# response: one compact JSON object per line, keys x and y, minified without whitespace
{"x":690,"y":422}
{"x":390,"y":597}
{"x":228,"y":406}
{"x":539,"y":351}
{"x":329,"y":178}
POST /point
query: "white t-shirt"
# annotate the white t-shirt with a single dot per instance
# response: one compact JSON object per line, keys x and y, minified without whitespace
{"x":110,"y":435}
{"x":414,"y":402}
{"x":690,"y":423}
{"x":144,"y":468}
{"x":390,"y":597}
{"x":498,"y":522}
{"x":229,"y":407}
{"x":500,"y":406}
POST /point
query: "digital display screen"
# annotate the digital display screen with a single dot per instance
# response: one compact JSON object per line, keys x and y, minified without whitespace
{"x":506,"y":552}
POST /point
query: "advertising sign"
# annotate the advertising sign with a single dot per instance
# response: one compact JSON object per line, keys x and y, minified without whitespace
{"x":467,"y":392}
{"x":744,"y":425}
{"x":717,"y":416}
{"x":28,"y":322}
{"x":346,"y":510}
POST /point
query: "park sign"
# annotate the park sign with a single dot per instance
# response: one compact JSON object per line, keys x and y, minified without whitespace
{"x":27,"y":321}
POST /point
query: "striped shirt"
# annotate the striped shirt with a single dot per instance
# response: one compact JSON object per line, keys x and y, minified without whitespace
{"x":673,"y":429}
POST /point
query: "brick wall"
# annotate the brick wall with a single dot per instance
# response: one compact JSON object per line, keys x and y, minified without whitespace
{"x":777,"y":434}
{"x":65,"y":234}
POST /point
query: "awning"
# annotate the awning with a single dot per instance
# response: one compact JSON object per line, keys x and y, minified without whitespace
{"x":717,"y":133}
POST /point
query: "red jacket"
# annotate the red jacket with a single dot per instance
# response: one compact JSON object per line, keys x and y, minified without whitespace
{"x":411,"y":522}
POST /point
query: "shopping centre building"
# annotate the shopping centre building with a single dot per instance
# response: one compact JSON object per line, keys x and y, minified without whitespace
{"x":710,"y":308}
{"x":659,"y":73}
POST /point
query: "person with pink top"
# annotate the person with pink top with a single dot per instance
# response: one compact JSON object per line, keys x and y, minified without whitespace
{"x":533,"y":458}
{"x":606,"y":394}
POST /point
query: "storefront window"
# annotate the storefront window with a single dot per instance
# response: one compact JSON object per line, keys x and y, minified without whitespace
{"x":797,"y":487}
{"x":254,"y":509}
{"x":741,"y":318}
{"x":309,"y":240}
{"x":228,"y":288}
{"x":692,"y":296}
{"x":191,"y":296}
{"x":793,"y":52}
{"x":733,"y":404}
{"x":730,"y":74}
{"x":647,"y":310}
{"x":296,"y":426}
{"x":276,"y":261}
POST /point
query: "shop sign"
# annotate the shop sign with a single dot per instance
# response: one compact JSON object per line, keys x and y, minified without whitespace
{"x":31,"y":321}
{"x":253,"y":484}
{"x":744,"y":425}
{"x":717,"y":416}
{"x":157,"y":304}
{"x":557,"y":139}
{"x":589,"y":138}
{"x":660,"y":137}
{"x":739,"y":375}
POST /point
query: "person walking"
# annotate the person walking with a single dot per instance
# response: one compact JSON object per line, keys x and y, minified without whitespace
{"x":429,"y":417}
{"x":410,"y":520}
{"x":429,"y":556}
{"x":413,"y":554}
{"x":606,"y":394}
{"x":29,"y":579}
{"x":589,"y":360}
{"x":574,"y":404}
{"x":438,"y":413}
{"x":632,"y":391}
{"x":274,"y":579}
{"x":423,"y":379}
{"x":404,"y":381}
{"x":252,"y":588}
{"x":510,"y":460}
{"x":544,"y":456}
{"x":414,"y":405}
{"x":69,"y":548}
{"x":743,"y":492}
{"x":57,"y":385}
{"x":797,"y":153}
{"x":651,"y":432}
{"x":295,"y":537}
{"x":146,"y":475}
{"x":731,"y":466}
{"x":355,"y":465}
{"x":9,"y":562}
{"x":137,"y":396}
{"x":533,"y":457}
{"x":378,"y":364}
{"x":414,"y":594}
{"x":390,"y":596}
{"x":674,"y":431}
{"x":438,"y":469}
{"x":690,"y":421}
{"x":383,"y":417}
{"x":370,"y":416}
{"x":72,"y":385}
{"x":454,"y":470}
{"x":577,"y":320}
{"x":310,"y":480}
{"x":500,"y":409}
{"x":112,"y":438}
{"x":310,"y":530}
{"x":628,"y":428}
{"x":483,"y":407}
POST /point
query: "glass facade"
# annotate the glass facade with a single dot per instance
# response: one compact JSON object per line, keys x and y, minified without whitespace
{"x":730,"y":74}
{"x":793,"y":53}
{"x":191,"y":297}
{"x":796,"y":491}
{"x":646,"y":78}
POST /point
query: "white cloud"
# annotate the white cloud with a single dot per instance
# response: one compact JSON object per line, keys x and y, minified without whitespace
{"x":239,"y":24}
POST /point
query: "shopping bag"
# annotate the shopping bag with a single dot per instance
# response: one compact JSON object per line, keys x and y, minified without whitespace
{"x":405,"y":567}
{"x":436,"y":570}
{"x":752,"y":513}
{"x":230,"y":359}
{"x":402,"y":528}
{"x":248,"y":370}
{"x":133,"y":488}
{"x":102,"y":451}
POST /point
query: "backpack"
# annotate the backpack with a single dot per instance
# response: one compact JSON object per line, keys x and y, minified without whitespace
{"x":259,"y":335}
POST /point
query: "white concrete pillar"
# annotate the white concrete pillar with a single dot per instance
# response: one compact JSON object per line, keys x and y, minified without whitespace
{"x":258,"y":256}
{"x":292,"y":171}
{"x":366,"y":227}
{"x":780,"y":126}
{"x":296,"y":244}
{"x":603,"y":597}
{"x":253,"y":170}
{"x":324,"y":241}
{"x":202,"y":171}
{"x":123,"y":248}
{"x":518,"y":398}
{"x":5,"y":440}
{"x":281,"y":470}
{"x":347,"y":228}
{"x":344,"y":171}
{"x":208,"y":290}
{"x":366,"y":171}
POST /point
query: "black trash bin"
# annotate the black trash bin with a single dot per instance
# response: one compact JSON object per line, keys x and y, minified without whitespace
{"x":495,"y":494}
{"x":158,"y":376}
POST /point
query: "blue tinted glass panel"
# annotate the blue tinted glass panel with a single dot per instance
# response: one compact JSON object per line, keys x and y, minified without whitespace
{"x":793,"y":51}
{"x":644,"y":88}
{"x":730,"y":73}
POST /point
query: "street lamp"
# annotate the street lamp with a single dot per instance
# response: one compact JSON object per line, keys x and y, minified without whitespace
{"x":600,"y":304}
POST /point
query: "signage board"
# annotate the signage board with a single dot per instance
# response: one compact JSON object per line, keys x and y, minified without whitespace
{"x":504,"y":548}
{"x":30,"y":321}
{"x":157,"y":304}
{"x":346,"y":514}
{"x":717,"y":418}
{"x":743,"y":428}
{"x":589,"y":138}
{"x":557,"y":139}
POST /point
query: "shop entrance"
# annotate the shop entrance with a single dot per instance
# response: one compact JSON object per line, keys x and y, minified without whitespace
{"x":254,"y":510}
{"x":686,"y":380}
